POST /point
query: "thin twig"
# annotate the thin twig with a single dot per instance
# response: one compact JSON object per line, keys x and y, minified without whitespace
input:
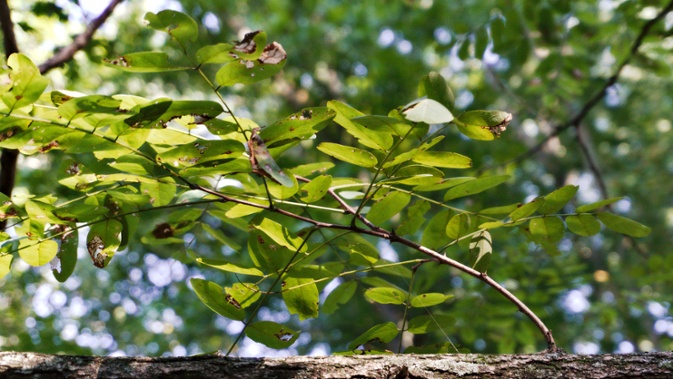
{"x":392,"y":237}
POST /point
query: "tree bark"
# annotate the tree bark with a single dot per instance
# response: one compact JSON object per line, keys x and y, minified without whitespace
{"x":542,"y":365}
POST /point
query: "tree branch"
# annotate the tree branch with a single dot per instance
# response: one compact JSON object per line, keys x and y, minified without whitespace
{"x":594,"y":100}
{"x":392,"y":237}
{"x":66,"y":53}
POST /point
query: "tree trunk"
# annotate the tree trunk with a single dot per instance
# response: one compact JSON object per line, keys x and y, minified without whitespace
{"x":543,"y":365}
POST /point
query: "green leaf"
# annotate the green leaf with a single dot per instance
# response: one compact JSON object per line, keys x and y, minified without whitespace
{"x":26,"y":85}
{"x":37,"y":253}
{"x":414,"y":219}
{"x":242,"y":295}
{"x":556,"y":200}
{"x":362,"y":252}
{"x":348,"y":154}
{"x":279,"y":233}
{"x":428,"y":299}
{"x":459,"y":226}
{"x":201,"y":151}
{"x":88,"y":105}
{"x":303,"y":300}
{"x":271,"y":334}
{"x":386,"y":295}
{"x":597,"y":205}
{"x":548,"y":228}
{"x":483,"y":125}
{"x":583,"y":224}
{"x":267,"y":65}
{"x":435,"y":87}
{"x":178,"y":25}
{"x":160,"y":192}
{"x":222,"y":238}
{"x":227,"y":266}
{"x":213,"y":296}
{"x":5,"y":264}
{"x":215,"y":54}
{"x":346,"y":116}
{"x":474,"y":186}
{"x":383,"y":333}
{"x":146,"y":61}
{"x":428,"y":111}
{"x":339,"y":296}
{"x":434,"y":235}
{"x":301,"y":125}
{"x":408,"y":155}
{"x":67,"y":256}
{"x":443,"y":159}
{"x":623,"y":225}
{"x":430,"y":323}
{"x":389,"y":206}
{"x":315,"y":189}
{"x":481,"y":250}
{"x":377,"y":129}
{"x":501,"y":210}
{"x":526,"y":209}
{"x":103,"y":241}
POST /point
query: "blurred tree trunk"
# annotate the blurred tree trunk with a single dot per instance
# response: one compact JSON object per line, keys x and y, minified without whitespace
{"x":542,"y":365}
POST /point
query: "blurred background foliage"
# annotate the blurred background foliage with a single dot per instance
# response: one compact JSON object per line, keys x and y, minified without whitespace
{"x":540,"y":60}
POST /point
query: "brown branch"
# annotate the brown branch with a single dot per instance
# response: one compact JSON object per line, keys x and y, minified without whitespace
{"x":392,"y":237}
{"x":66,"y":53}
{"x":594,"y":100}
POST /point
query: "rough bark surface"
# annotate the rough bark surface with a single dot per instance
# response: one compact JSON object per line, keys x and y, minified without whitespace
{"x":543,"y":365}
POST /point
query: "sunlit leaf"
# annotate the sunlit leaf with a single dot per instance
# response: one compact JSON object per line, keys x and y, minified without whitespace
{"x":428,"y":299}
{"x":348,"y":154}
{"x":443,"y":159}
{"x":226,"y":265}
{"x":271,"y":334}
{"x":547,"y":228}
{"x":459,"y":226}
{"x":242,"y":295}
{"x":434,"y":234}
{"x":526,"y":209}
{"x":383,"y":333}
{"x":475,"y":186}
{"x":302,"y":300}
{"x":316,"y":188}
{"x":483,"y":125}
{"x":583,"y":224}
{"x":27,"y":84}
{"x":386,"y":295}
{"x":5,"y":264}
{"x":428,"y":111}
{"x":556,"y":200}
{"x":213,"y":296}
{"x":389,"y":206}
{"x":37,"y":253}
{"x":597,"y":205}
{"x":623,"y":225}
{"x":178,"y":25}
{"x":147,"y":61}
